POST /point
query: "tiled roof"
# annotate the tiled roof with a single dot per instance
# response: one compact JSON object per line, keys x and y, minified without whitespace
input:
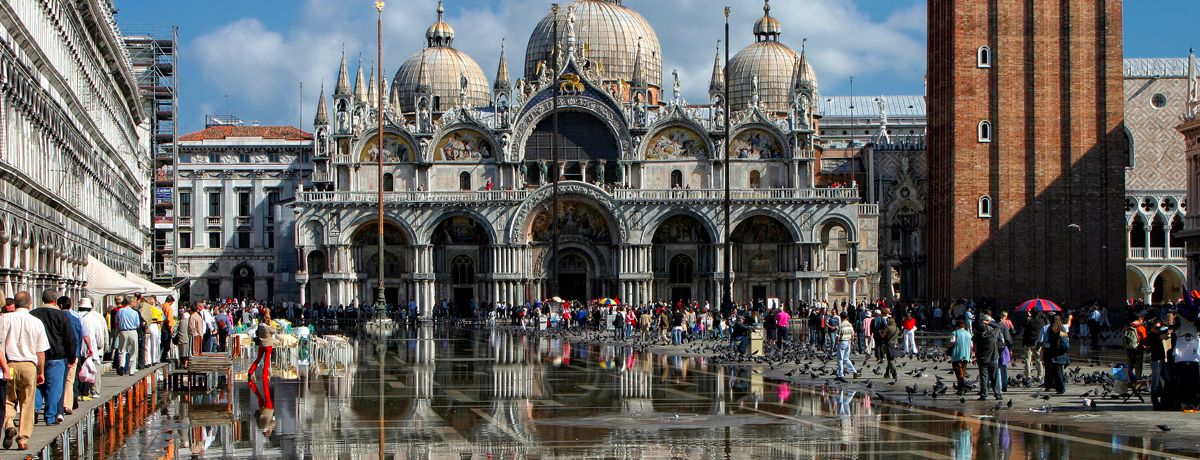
{"x":1156,"y":68}
{"x":287,"y":133}
{"x":865,"y":107}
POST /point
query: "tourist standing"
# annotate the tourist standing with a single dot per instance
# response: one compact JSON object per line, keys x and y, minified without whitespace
{"x":1056,"y":343}
{"x":987,"y":356}
{"x":82,"y":351}
{"x":97,"y":329}
{"x":845,"y":335}
{"x":890,"y":336}
{"x":1006,"y":357}
{"x":182,"y":338}
{"x":127,"y":321}
{"x":783,"y":320}
{"x":64,"y":346}
{"x":25,"y":344}
{"x":264,"y":336}
{"x":910,"y":336}
{"x":152,"y":318}
{"x":960,"y":354}
{"x":196,"y":329}
{"x":1031,"y":338}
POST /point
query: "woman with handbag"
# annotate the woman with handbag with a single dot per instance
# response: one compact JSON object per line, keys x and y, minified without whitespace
{"x":182,"y":339}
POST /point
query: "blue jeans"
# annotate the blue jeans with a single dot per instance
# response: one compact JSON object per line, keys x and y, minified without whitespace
{"x":50,"y":394}
{"x":676,"y":336}
{"x":844,"y":362}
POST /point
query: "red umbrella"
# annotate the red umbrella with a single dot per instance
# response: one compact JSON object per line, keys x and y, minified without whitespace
{"x":1039,"y":305}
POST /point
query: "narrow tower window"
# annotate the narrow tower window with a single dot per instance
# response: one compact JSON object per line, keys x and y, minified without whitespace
{"x":985,"y":131}
{"x":985,"y":57}
{"x":985,"y":207}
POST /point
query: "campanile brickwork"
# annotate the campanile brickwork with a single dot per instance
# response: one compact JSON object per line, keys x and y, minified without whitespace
{"x":1054,"y":167}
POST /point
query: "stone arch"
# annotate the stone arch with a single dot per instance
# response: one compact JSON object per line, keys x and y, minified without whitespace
{"x":518,"y":226}
{"x":746,"y":146}
{"x":312,"y":233}
{"x":540,"y":108}
{"x":407,"y":231}
{"x":788,"y":222}
{"x":821,"y":227}
{"x":404,"y":140}
{"x":1135,"y":282}
{"x":710,"y":229}
{"x":477,"y":144}
{"x":1168,"y":283}
{"x":662,"y":145}
{"x":316,"y":262}
{"x":427,"y":232}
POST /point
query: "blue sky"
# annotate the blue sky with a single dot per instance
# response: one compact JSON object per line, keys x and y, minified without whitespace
{"x":248,"y":58}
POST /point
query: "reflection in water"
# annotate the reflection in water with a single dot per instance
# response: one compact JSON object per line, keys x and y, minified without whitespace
{"x":443,"y":392}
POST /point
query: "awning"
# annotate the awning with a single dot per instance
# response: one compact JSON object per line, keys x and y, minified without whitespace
{"x":102,"y":280}
{"x":150,"y":289}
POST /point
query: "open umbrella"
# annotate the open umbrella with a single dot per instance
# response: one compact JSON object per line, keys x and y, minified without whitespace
{"x":609,"y":302}
{"x":1039,"y":305}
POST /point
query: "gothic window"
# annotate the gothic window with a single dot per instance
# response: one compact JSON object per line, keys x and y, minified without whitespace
{"x":676,"y":179}
{"x":985,"y":207}
{"x":985,"y":131}
{"x":464,"y":181}
{"x":755,"y":179}
{"x":682,"y":269}
{"x":462,"y":270}
{"x":388,"y":182}
{"x":985,"y":57}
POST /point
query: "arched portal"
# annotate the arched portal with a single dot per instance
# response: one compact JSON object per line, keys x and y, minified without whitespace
{"x":397,"y":262}
{"x":1168,"y":286}
{"x":584,"y":230}
{"x":583,"y":140}
{"x":460,"y":253}
{"x":683,"y":254}
{"x":758,"y":243}
{"x":1135,"y":284}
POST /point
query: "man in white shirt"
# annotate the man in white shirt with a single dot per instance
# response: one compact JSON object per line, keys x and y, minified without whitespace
{"x":210,"y":336}
{"x":23,"y":363}
{"x":97,"y":328}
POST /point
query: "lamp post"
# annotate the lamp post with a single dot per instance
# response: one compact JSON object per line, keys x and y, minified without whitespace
{"x":380,"y":298}
{"x":555,"y":173}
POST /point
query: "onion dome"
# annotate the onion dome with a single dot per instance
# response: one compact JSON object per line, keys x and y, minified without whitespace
{"x":438,"y":70}
{"x":772,"y":63}
{"x":609,"y":31}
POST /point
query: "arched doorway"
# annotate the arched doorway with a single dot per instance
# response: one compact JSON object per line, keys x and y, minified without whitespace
{"x":1168,"y":286}
{"x":460,"y":262}
{"x":243,"y":282}
{"x":397,"y":263}
{"x":585,"y":245}
{"x":758,"y":243}
{"x":1135,"y":283}
{"x":316,"y":264}
{"x":683,"y":252}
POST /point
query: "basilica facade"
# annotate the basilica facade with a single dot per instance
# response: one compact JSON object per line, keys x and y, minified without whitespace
{"x":468,"y":181}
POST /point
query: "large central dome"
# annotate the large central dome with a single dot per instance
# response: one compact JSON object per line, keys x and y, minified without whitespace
{"x":609,"y":30}
{"x":439,"y":70}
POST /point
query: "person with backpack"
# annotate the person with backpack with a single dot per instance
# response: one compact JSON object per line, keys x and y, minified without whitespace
{"x":1133,"y":341}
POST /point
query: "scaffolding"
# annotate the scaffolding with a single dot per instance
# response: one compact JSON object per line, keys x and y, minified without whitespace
{"x":154,"y":52}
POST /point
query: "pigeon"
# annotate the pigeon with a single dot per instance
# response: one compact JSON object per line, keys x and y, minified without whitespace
{"x":1164,"y":428}
{"x":1010,"y":403}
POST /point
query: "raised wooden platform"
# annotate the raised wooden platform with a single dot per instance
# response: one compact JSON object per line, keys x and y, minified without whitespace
{"x":200,"y":372}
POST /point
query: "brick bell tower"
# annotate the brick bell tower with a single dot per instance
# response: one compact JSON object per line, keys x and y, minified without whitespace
{"x":1026,"y":151}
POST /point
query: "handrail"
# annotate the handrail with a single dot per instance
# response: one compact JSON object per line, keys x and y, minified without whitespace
{"x":809,"y":194}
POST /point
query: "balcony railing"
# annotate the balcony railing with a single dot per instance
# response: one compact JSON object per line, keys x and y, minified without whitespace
{"x":1157,"y":253}
{"x":242,"y":222}
{"x":1176,"y":253}
{"x":675,"y":195}
{"x":214,"y":221}
{"x":1137,"y":253}
{"x":185,"y":221}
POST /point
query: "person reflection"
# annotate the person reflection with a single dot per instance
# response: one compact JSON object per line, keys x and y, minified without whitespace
{"x":265,"y":415}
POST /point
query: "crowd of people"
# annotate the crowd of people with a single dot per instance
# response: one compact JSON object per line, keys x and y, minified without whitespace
{"x":55,"y":353}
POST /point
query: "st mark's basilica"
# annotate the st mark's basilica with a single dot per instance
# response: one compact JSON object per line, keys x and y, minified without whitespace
{"x":467,"y":160}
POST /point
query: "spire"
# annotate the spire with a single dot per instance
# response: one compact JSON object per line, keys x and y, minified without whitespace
{"x":343,"y":82}
{"x":322,"y":117}
{"x":372,"y":89}
{"x":638,"y":80}
{"x":800,"y":74}
{"x":1193,"y":90}
{"x":424,"y":84}
{"x":360,"y":88}
{"x":716,"y":84}
{"x":502,"y":83}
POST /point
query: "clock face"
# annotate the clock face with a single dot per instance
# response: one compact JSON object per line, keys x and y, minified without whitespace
{"x":243,"y":271}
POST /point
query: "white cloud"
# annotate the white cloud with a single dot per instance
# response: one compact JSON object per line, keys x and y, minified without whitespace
{"x":260,"y":68}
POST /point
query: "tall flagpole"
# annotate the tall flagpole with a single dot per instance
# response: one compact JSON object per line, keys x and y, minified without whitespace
{"x":554,"y":170}
{"x":727,"y":299}
{"x":380,"y":299}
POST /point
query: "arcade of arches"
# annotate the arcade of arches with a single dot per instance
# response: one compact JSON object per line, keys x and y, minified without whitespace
{"x":682,"y":261}
{"x":1155,"y":264}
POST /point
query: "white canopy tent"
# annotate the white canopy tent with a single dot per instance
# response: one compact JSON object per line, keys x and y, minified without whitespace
{"x":103,"y":280}
{"x":149,"y":288}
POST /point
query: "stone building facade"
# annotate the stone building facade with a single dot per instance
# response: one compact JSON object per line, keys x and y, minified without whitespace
{"x":235,"y":234}
{"x":468,"y":182}
{"x":74,"y":172}
{"x":1027,"y":151}
{"x":1156,"y":94}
